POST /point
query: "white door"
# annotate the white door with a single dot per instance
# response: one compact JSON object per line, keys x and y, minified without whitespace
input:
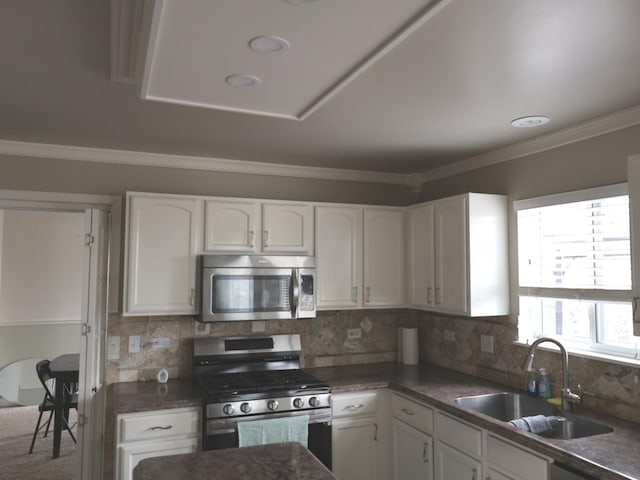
{"x":412,"y":453}
{"x":231,"y":226}
{"x":339,"y":257}
{"x":452,"y":464}
{"x":287,"y":228}
{"x":383,"y":257}
{"x":354,"y":448}
{"x":451,"y":291}
{"x":420,"y":241}
{"x":92,"y":345}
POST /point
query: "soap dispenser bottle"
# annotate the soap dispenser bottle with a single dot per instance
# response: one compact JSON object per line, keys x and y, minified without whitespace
{"x":532,"y":384}
{"x":544,"y":386}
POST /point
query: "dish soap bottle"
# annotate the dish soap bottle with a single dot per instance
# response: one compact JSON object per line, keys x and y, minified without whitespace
{"x":544,"y":386}
{"x":532,"y":384}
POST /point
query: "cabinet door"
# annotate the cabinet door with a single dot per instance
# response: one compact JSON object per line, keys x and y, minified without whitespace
{"x":451,"y":290}
{"x":495,"y":475}
{"x":163,"y":238}
{"x":383,"y":257}
{"x":354,"y":448}
{"x":421,"y":261}
{"x":287,"y":228}
{"x":231,"y":226}
{"x":339,"y":257}
{"x":412,"y":453}
{"x":129,"y":455}
{"x":452,"y":464}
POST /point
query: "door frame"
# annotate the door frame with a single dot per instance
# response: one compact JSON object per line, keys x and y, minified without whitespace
{"x":81,"y":203}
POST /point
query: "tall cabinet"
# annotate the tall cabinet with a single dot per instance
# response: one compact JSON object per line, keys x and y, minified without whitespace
{"x":360,"y":256}
{"x":458,"y":255}
{"x":163,"y":235}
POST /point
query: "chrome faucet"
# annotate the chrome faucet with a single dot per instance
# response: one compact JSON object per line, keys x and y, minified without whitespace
{"x":568,"y":397}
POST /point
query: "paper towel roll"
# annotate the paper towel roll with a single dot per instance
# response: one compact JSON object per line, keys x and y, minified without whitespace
{"x":410,"y":346}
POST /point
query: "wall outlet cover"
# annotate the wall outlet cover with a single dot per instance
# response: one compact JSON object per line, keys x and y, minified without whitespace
{"x":450,"y":335}
{"x":113,"y":348}
{"x":160,"y":342}
{"x":354,"y":334}
{"x":134,"y":343}
{"x":486,"y":343}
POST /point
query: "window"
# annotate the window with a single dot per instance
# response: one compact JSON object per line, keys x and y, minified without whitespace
{"x":574,"y":265}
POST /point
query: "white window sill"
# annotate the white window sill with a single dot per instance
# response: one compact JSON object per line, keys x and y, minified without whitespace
{"x":588,"y":354}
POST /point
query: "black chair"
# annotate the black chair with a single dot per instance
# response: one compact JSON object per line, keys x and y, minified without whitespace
{"x":48,"y":402}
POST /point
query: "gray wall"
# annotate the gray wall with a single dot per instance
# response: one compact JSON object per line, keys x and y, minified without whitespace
{"x":23,"y":173}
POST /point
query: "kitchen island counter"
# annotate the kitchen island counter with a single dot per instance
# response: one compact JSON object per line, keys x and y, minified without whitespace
{"x":282,"y":461}
{"x":611,"y":456}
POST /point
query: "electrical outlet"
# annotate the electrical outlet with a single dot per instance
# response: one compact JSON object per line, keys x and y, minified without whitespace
{"x":113,"y":348}
{"x":354,"y":333}
{"x":134,"y":343}
{"x":450,"y":335}
{"x":486,"y":343}
{"x":160,"y":342}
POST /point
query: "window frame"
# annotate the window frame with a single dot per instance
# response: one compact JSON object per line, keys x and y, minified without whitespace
{"x":534,"y":329}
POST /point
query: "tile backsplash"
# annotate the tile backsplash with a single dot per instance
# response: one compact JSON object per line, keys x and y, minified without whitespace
{"x":324,"y":340}
{"x":452,"y":342}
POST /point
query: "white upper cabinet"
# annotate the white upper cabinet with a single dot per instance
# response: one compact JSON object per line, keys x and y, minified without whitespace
{"x":232,"y":226}
{"x":163,"y":238}
{"x":339,"y":256}
{"x":287,"y":228}
{"x":359,"y":257}
{"x":458,"y":255}
{"x":383,"y":257}
{"x":250,"y":226}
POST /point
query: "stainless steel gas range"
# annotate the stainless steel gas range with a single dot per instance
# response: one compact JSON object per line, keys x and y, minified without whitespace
{"x":256,"y":378}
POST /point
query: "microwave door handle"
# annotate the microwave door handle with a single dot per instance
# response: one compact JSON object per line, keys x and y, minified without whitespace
{"x":295,"y":292}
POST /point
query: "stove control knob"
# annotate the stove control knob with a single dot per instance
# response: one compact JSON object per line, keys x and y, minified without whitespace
{"x":272,"y":405}
{"x":245,"y":407}
{"x":314,"y":402}
{"x":228,"y":409}
{"x":298,"y":403}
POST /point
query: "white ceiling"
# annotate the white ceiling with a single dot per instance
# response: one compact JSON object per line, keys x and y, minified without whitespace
{"x":444,"y":94}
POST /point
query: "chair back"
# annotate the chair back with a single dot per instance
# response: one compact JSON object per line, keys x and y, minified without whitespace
{"x":46,"y":378}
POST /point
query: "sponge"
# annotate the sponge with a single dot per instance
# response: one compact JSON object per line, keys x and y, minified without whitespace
{"x":555,"y":401}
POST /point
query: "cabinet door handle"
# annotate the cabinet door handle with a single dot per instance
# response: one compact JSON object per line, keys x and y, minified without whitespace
{"x":192,"y":297}
{"x":354,"y":294}
{"x":438,"y":299}
{"x":408,"y":412}
{"x":429,"y":295}
{"x":251,"y":235}
{"x":168,"y":427}
{"x":353,"y":406}
{"x":367,"y":293}
{"x":375,"y":433}
{"x":473,"y":474}
{"x":265,"y":240}
{"x":425,"y":452}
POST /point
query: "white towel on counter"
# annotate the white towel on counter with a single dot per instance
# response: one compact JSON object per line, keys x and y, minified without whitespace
{"x":274,"y":430}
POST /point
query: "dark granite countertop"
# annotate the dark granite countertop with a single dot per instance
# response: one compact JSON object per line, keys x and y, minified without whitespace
{"x":129,"y":397}
{"x":611,"y":456}
{"x":281,"y":461}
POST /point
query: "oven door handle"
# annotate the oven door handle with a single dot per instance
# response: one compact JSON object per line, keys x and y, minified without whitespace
{"x":295,"y":292}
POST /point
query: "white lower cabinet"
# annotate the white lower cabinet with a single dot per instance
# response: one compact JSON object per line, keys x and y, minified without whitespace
{"x":154,"y":434}
{"x":412,"y":452}
{"x":451,"y":463}
{"x":354,"y":434}
{"x":508,"y":462}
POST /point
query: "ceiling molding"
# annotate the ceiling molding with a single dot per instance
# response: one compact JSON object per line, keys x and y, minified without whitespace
{"x":125,"y":157}
{"x":582,"y":131}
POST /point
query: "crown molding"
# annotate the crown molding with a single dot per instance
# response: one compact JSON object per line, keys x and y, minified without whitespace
{"x":582,"y":131}
{"x":125,"y":157}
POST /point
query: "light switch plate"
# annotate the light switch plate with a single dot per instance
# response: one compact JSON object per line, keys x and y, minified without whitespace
{"x":160,"y":342}
{"x":113,"y":348}
{"x":450,"y":335}
{"x":354,"y":334}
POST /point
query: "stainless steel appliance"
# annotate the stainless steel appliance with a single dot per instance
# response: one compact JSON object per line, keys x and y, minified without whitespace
{"x":250,"y":287}
{"x":254,"y":378}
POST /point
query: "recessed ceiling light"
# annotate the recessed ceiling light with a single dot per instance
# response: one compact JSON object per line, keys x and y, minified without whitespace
{"x":530,"y":121}
{"x":268,"y":44}
{"x":242,"y":80}
{"x":300,"y":3}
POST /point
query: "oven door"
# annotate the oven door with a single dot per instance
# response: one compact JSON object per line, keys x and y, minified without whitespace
{"x":230,"y":294}
{"x":223,"y":433}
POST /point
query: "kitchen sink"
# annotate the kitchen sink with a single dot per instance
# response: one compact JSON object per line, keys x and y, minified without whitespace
{"x":507,"y":406}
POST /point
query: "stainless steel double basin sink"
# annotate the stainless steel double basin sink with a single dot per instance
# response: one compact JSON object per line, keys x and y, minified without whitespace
{"x":507,"y":406}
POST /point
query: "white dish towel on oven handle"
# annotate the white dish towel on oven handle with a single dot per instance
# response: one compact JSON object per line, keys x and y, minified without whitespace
{"x":274,"y":430}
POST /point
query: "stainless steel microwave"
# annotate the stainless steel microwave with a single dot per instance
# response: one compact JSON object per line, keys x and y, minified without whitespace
{"x":251,"y":287}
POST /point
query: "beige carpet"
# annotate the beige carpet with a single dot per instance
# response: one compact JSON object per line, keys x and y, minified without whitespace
{"x":16,"y":428}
